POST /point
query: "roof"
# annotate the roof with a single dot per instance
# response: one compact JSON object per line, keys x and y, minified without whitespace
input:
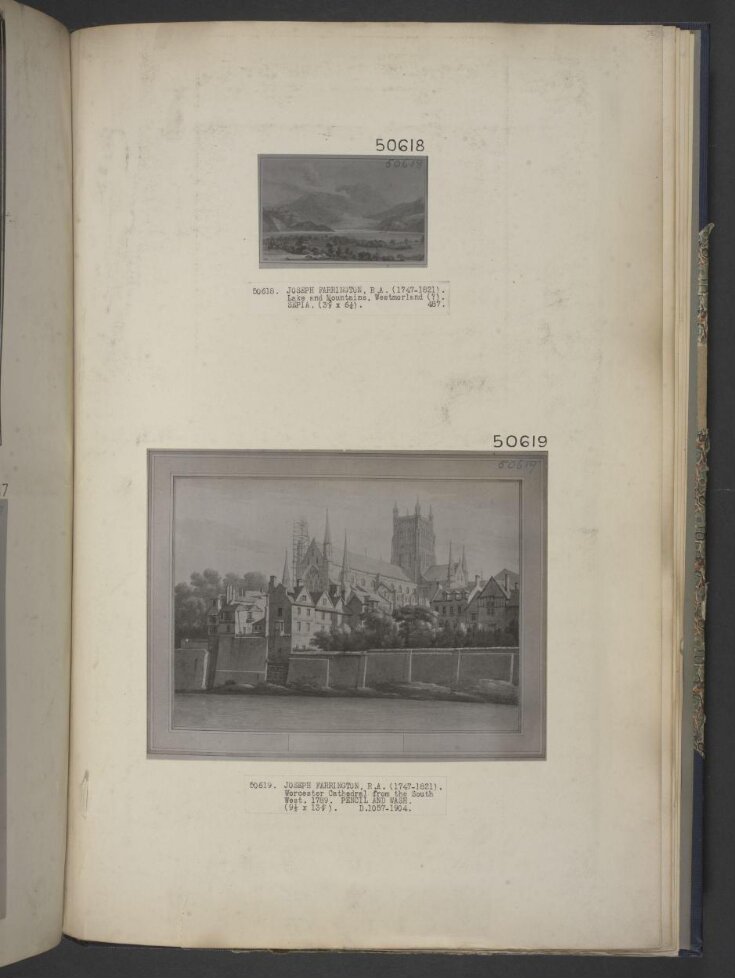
{"x":316,"y":597}
{"x":295,"y":593}
{"x":492,"y":588}
{"x":439,"y":572}
{"x":361,"y":563}
{"x":247,"y":597}
{"x":363,"y":595}
{"x":461,"y":593}
{"x":243,"y":605}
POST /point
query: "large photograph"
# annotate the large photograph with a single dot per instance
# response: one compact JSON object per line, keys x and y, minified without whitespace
{"x":342,"y":210}
{"x":353,"y":602}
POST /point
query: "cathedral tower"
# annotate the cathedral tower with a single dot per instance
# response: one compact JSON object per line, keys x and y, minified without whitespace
{"x":413,"y":545}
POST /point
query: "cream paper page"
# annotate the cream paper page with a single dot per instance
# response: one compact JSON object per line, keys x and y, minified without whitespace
{"x":547,"y":152}
{"x":36,"y":473}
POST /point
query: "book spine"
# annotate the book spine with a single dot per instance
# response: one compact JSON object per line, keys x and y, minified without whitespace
{"x":700,"y":491}
{"x":700,"y":595}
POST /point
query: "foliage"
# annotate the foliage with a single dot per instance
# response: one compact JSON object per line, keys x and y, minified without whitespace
{"x":412,"y":627}
{"x":252,"y":581}
{"x":375,"y":631}
{"x":192,"y":601}
{"x":416,"y":626}
{"x":340,"y":247}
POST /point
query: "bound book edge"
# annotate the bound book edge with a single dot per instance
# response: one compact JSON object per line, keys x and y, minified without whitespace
{"x":700,"y":491}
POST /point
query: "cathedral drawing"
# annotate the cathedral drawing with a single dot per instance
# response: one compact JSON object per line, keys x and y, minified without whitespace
{"x":323,"y":589}
{"x":411,"y":577}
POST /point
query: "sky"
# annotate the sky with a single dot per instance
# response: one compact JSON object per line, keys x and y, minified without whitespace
{"x":283,"y":179}
{"x":245,"y":524}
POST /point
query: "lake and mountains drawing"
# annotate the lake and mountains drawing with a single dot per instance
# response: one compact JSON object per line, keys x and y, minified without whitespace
{"x":354,"y":210}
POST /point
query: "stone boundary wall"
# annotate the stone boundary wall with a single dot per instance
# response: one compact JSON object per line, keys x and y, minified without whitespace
{"x":453,"y":668}
{"x":240,"y":659}
{"x":191,"y":665}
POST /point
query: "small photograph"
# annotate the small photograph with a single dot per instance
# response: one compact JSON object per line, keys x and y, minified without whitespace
{"x":342,"y":210}
{"x":347,"y":603}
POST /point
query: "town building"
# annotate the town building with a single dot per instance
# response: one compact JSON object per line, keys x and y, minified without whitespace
{"x":296,"y":613}
{"x":238,"y":612}
{"x":495,"y":605}
{"x":450,"y":602}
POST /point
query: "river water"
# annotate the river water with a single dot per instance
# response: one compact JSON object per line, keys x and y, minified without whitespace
{"x":295,"y":714}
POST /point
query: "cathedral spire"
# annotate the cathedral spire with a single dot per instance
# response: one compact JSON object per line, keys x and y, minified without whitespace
{"x":431,"y":514}
{"x":326,"y":555}
{"x":417,"y":510}
{"x":345,"y":565}
{"x":464,"y":562}
{"x":286,"y":577}
{"x":449,"y":566}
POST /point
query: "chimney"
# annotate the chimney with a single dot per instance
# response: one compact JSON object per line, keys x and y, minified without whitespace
{"x":272,"y":582}
{"x":477,"y":579}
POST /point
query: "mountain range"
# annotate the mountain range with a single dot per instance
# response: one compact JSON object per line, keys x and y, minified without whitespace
{"x":351,"y":206}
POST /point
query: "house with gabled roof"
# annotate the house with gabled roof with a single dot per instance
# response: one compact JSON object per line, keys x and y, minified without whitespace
{"x":492,"y":606}
{"x":451,"y":603}
{"x":508,"y":580}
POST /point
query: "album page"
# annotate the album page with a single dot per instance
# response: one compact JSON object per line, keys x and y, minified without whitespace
{"x":35,"y":477}
{"x":374,"y":441}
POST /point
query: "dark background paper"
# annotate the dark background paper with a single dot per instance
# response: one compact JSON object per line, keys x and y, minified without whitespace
{"x":71,"y":958}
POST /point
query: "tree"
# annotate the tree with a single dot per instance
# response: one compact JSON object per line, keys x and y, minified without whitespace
{"x":254,"y":581}
{"x":512,"y":631}
{"x":416,"y":625}
{"x":190,"y":613}
{"x":208,"y":584}
{"x":379,"y":630}
{"x":192,"y":601}
{"x":341,"y":639}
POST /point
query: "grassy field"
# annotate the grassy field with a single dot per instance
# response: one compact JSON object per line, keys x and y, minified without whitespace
{"x":343,"y":246}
